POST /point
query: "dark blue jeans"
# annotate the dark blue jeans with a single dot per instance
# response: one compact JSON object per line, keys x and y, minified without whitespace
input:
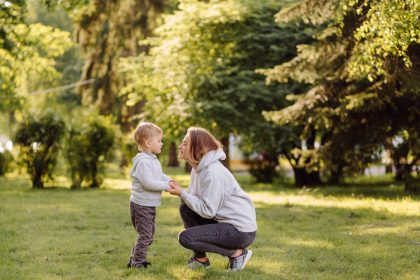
{"x":206,"y":235}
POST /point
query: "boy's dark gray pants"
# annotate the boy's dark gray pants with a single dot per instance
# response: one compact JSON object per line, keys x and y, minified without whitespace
{"x":143,"y":219}
{"x":206,"y":235}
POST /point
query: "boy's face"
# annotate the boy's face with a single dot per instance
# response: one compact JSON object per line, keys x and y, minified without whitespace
{"x":155,"y":143}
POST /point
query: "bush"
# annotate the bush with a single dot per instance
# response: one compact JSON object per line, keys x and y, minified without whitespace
{"x":87,"y":149}
{"x":128,"y":149}
{"x":263,"y":167}
{"x":6,"y":159}
{"x":39,"y":140}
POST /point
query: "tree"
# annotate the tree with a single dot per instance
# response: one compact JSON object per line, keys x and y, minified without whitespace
{"x":107,"y":31}
{"x":27,"y":55}
{"x":200,"y":69}
{"x":88,"y":147}
{"x":70,"y":63}
{"x":39,"y":139}
{"x":362,"y":70}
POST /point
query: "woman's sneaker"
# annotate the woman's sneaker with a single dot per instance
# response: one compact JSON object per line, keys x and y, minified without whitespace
{"x":193,"y":263}
{"x":238,"y":263}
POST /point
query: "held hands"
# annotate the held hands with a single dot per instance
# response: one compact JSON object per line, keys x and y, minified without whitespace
{"x":175,"y":188}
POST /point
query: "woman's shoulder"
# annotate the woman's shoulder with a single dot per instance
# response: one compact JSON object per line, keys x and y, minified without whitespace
{"x":216,"y":169}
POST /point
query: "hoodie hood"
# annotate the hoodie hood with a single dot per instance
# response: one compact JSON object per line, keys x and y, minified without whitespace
{"x":209,"y":158}
{"x":142,"y":155}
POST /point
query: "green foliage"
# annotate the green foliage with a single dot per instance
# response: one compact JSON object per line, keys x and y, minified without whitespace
{"x":388,"y":30}
{"x":107,"y":31}
{"x":27,"y":60}
{"x":70,"y":63}
{"x":6,"y":158}
{"x":39,"y":139}
{"x":362,"y":70}
{"x":88,"y":147}
{"x":200,"y":70}
{"x":128,"y":148}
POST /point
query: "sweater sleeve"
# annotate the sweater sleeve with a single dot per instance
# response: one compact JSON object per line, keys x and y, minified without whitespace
{"x":165,"y":177}
{"x":208,"y":203}
{"x":144,"y":174}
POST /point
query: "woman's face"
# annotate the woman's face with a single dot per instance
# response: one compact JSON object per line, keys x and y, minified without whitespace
{"x":183,"y":148}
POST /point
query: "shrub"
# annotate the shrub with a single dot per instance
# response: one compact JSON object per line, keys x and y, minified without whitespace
{"x":6,"y":159}
{"x":263,"y":167}
{"x":39,"y":140}
{"x":128,"y":148}
{"x":87,"y":149}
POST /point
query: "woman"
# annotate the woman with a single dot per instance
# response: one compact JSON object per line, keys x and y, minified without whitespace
{"x":218,"y":215}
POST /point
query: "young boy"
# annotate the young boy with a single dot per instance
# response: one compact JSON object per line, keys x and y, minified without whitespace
{"x":148,"y":182}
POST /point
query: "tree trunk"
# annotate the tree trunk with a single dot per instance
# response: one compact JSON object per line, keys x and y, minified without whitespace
{"x":37,"y":181}
{"x":173,"y":155}
{"x":305,"y":178}
{"x":336,"y":175}
{"x":412,"y":185}
{"x":401,"y":171}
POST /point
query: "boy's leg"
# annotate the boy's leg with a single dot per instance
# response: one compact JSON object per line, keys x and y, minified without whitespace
{"x":220,"y":238}
{"x":143,"y":222}
{"x":192,"y":219}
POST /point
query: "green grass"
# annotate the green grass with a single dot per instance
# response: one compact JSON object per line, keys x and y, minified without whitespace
{"x":360,"y":231}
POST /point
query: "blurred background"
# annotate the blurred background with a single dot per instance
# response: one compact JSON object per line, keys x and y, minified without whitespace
{"x":309,"y":92}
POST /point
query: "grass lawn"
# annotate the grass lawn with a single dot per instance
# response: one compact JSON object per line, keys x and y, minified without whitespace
{"x":361,"y":231}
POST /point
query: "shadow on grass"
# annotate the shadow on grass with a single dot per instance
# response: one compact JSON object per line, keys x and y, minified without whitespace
{"x":88,"y":235}
{"x":337,"y":243}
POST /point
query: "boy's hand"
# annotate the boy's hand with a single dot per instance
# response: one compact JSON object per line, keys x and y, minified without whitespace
{"x":175,"y":188}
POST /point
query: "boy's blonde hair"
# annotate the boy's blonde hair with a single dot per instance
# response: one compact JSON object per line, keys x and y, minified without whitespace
{"x":145,"y":131}
{"x":200,"y":142}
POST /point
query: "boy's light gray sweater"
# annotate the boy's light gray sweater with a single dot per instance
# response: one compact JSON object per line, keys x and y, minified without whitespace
{"x":215,"y":194}
{"x":148,"y":180}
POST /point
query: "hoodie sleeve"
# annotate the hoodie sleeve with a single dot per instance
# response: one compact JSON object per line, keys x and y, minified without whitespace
{"x":211,"y":199}
{"x":165,"y":177}
{"x":144,"y":174}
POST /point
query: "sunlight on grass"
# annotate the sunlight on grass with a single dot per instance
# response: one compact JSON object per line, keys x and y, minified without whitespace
{"x":116,"y":184}
{"x":403,"y":207}
{"x":382,"y":229}
{"x":331,"y":233}
{"x":311,"y":243}
{"x":125,"y":184}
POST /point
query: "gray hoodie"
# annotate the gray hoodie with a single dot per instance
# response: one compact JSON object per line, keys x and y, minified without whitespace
{"x":148,"y":180}
{"x":215,"y":194}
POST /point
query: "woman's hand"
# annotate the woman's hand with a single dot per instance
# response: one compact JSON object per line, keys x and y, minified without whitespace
{"x":175,"y":188}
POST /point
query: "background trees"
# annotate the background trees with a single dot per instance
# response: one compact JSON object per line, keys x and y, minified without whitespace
{"x":201,"y":69}
{"x":362,"y":70}
{"x":27,"y":55}
{"x":342,"y":86}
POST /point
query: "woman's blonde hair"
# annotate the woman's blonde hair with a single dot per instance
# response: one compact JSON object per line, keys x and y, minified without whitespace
{"x":145,"y":131}
{"x":200,"y":142}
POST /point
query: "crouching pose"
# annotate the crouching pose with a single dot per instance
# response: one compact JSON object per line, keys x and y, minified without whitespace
{"x":218,"y":216}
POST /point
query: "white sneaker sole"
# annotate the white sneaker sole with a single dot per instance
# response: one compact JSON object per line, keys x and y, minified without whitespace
{"x":247,"y":258}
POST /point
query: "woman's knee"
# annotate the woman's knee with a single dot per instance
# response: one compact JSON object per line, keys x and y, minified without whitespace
{"x":184,"y":238}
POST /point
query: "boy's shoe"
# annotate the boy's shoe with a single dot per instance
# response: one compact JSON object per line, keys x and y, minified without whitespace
{"x":142,"y":265}
{"x":193,"y":263}
{"x":238,"y":263}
